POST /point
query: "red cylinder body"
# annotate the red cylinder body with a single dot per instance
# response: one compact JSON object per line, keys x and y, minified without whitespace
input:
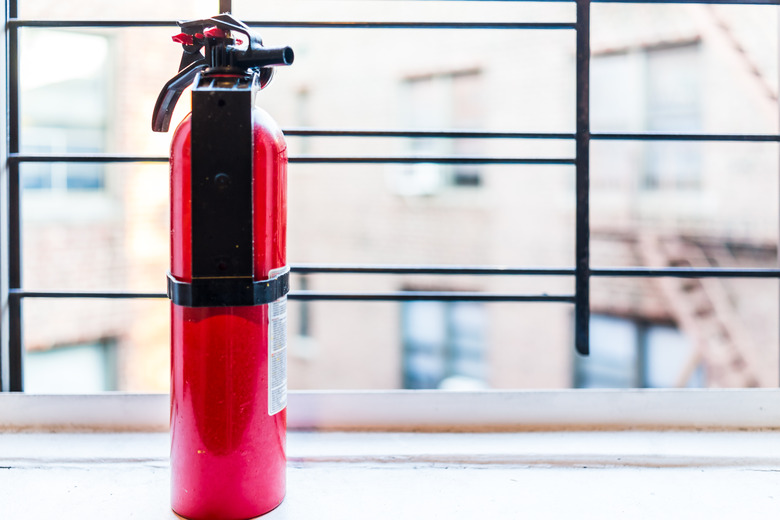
{"x":228,"y":413}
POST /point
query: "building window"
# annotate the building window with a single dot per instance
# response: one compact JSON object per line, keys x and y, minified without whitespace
{"x":72,"y":369}
{"x":65,"y":108}
{"x":436,"y":102}
{"x":444,"y":345}
{"x":672,"y":105}
{"x":629,"y":353}
{"x":654,"y":89}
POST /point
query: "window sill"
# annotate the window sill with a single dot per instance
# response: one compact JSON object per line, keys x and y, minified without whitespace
{"x":703,"y":466}
{"x":425,"y":410}
{"x":357,"y":475}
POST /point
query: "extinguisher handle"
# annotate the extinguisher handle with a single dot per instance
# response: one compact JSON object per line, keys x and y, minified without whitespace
{"x":223,"y":52}
{"x":170,"y":94}
{"x":253,"y":56}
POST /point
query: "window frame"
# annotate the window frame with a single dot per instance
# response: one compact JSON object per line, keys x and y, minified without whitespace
{"x":12,"y":292}
{"x":425,"y":410}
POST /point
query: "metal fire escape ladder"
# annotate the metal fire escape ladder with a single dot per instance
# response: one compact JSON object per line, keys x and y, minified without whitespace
{"x":704,"y":311}
{"x":750,"y":64}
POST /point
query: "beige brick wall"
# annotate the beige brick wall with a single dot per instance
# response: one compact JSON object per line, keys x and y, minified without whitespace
{"x":521,"y":216}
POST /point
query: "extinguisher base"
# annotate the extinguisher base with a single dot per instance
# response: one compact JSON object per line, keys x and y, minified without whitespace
{"x":222,"y":516}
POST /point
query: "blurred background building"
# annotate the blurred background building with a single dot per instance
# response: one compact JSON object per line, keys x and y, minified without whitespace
{"x":654,"y":68}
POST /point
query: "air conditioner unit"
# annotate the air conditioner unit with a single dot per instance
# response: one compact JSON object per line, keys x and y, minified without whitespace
{"x":415,"y":180}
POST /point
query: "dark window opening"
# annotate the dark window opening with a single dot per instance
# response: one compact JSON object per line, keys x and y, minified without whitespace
{"x":444,"y":345}
{"x":631,"y":353}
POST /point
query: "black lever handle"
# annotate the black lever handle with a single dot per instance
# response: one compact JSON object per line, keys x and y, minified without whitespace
{"x":170,"y":94}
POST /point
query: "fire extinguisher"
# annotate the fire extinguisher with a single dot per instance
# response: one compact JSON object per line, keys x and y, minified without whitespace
{"x":228,"y":279}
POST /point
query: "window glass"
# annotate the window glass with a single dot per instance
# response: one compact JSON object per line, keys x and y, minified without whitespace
{"x":441,"y":102}
{"x":64,"y":107}
{"x":444,"y":345}
{"x":614,"y":359}
{"x":669,"y":360}
{"x":79,"y":368}
{"x":650,"y":89}
{"x":631,"y":353}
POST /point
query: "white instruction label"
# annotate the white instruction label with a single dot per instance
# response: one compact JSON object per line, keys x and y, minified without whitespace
{"x":277,"y":355}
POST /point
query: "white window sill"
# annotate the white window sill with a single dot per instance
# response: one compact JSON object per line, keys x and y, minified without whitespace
{"x":428,"y":410}
{"x":560,"y":472}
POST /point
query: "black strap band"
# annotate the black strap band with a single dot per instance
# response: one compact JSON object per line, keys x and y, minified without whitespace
{"x":228,"y":292}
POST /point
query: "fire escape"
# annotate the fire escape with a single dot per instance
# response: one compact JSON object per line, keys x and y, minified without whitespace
{"x":705,"y":312}
{"x":704,"y":309}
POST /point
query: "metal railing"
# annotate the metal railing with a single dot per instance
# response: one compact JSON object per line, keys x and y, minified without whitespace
{"x":12,"y":293}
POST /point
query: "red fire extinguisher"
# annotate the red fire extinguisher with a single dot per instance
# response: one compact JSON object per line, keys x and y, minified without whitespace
{"x":228,"y":279}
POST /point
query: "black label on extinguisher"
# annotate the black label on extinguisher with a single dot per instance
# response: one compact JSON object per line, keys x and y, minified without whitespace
{"x":277,"y":355}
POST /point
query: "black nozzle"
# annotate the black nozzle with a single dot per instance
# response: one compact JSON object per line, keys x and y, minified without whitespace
{"x":266,"y":57}
{"x":222,"y":51}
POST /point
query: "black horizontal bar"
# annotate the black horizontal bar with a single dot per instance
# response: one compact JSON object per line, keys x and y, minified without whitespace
{"x":615,"y":272}
{"x":20,"y":22}
{"x":323,"y":296}
{"x":85,"y":158}
{"x":111,"y":158}
{"x":126,"y":158}
{"x":429,"y":269}
{"x":636,"y":272}
{"x":450,"y":134}
{"x":649,"y":272}
{"x":684,"y":272}
{"x":510,"y":1}
{"x":110,"y":295}
{"x":685,"y":137}
{"x":17,"y":22}
{"x":757,"y":2}
{"x":398,"y":296}
{"x":433,"y":160}
{"x":414,"y":25}
{"x":726,"y":2}
{"x":630,"y":272}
